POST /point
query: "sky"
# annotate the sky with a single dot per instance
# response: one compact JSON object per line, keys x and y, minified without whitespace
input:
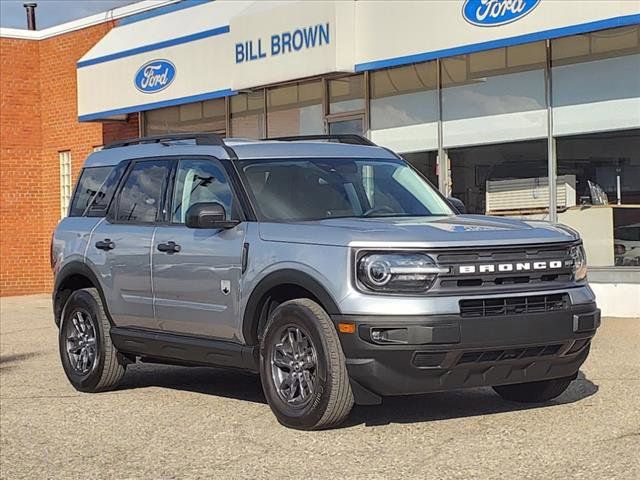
{"x":53,"y":12}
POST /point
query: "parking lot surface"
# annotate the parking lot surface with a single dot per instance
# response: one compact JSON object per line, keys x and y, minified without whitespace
{"x":174,"y":422}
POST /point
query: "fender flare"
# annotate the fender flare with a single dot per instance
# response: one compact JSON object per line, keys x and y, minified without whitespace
{"x":251,"y":316}
{"x":80,"y":268}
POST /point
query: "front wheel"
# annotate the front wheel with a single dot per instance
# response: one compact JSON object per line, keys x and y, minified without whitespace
{"x":302,"y":367}
{"x":534,"y":392}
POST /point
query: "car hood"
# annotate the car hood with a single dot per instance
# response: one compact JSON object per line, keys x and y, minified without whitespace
{"x":434,"y":231}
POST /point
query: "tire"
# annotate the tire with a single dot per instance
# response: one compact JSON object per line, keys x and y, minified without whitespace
{"x":322,"y":392}
{"x":98,"y":368}
{"x":534,"y":392}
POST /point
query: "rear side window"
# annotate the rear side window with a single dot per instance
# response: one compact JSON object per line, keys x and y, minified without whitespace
{"x":140,"y":199}
{"x":89,"y":184}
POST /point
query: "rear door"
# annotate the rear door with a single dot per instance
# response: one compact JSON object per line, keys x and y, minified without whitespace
{"x":197,"y":282}
{"x":120,"y":247}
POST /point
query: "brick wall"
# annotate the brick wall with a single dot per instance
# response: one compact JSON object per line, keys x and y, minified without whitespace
{"x":113,"y":131}
{"x":20,"y":145}
{"x":38,"y":108}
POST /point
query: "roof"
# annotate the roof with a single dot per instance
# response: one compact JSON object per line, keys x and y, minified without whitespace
{"x":131,"y":11}
{"x":243,"y":148}
{"x":196,"y":20}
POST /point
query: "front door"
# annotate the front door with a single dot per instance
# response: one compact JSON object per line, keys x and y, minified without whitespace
{"x":196,"y":272}
{"x":120,"y":248}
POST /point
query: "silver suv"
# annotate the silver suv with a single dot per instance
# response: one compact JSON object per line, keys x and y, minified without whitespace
{"x":325,"y":263}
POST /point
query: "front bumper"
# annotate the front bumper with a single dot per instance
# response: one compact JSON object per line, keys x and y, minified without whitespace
{"x":446,"y":352}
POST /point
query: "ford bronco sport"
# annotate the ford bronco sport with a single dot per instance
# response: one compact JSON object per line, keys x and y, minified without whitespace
{"x":325,"y":263}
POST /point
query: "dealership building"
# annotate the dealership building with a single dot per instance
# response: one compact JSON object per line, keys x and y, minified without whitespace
{"x":489,"y":99}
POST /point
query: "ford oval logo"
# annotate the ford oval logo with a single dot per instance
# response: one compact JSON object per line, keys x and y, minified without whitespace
{"x":155,"y":76}
{"x":491,"y":13}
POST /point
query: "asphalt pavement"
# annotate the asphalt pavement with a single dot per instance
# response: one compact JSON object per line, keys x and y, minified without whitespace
{"x":168,"y":422}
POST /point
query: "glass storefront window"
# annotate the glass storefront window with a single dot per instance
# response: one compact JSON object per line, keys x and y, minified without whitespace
{"x":404,"y":96}
{"x":515,"y":174}
{"x":346,"y":94}
{"x":295,"y":110}
{"x":606,"y":167}
{"x":494,"y":96}
{"x":404,"y":107}
{"x":207,"y":116}
{"x":596,"y":81}
{"x":352,"y":125}
{"x":247,"y":115}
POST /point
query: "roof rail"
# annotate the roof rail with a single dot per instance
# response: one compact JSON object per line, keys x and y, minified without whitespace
{"x":200,"y":138}
{"x":350,"y":138}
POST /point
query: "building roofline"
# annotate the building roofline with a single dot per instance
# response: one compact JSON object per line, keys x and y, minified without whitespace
{"x":109,"y":15}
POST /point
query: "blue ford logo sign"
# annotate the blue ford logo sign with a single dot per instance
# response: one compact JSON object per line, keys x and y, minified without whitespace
{"x":155,"y":76}
{"x":491,"y":13}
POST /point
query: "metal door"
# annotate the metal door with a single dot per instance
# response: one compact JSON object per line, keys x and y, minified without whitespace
{"x":196,"y":272}
{"x":120,"y":247}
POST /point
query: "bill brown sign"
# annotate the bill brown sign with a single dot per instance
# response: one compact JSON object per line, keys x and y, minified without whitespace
{"x":282,"y":43}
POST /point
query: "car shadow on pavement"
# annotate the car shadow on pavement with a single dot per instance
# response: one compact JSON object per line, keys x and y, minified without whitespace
{"x":457,"y":404}
{"x":209,"y":381}
{"x":408,"y":409}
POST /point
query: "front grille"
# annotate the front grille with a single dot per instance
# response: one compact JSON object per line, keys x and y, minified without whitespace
{"x":509,"y":354}
{"x":503,"y":281}
{"x":508,"y":306}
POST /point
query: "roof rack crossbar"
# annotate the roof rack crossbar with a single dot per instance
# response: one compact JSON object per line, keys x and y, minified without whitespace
{"x":350,"y":138}
{"x":200,"y":139}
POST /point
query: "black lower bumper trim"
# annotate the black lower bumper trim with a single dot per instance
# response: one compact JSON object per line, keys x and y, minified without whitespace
{"x":486,"y":351}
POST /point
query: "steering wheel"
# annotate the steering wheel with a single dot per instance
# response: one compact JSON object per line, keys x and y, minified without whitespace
{"x":384,"y":208}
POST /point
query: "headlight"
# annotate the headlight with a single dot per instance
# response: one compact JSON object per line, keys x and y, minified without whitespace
{"x":579,"y":263}
{"x":398,"y":272}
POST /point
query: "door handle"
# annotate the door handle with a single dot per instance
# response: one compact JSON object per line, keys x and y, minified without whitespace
{"x":169,"y":247}
{"x":105,"y":244}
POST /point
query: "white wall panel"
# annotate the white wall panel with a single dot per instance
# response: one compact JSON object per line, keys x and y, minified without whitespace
{"x":509,"y":127}
{"x":410,"y":27}
{"x":412,"y":138}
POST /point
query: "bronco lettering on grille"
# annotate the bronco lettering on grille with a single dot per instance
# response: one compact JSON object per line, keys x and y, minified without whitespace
{"x":513,"y":267}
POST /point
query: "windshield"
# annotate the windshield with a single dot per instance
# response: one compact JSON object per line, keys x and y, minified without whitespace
{"x":318,"y":189}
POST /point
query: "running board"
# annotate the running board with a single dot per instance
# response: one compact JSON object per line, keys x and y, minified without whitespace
{"x":184,"y":349}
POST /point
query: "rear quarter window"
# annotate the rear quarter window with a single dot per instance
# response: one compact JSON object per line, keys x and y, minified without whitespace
{"x":89,"y":185}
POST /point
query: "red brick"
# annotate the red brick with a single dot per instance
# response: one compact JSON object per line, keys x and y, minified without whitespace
{"x":38,"y":119}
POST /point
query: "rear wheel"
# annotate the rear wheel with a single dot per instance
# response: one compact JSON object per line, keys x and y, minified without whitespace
{"x":302,"y":367}
{"x":534,"y":392}
{"x":88,"y":357}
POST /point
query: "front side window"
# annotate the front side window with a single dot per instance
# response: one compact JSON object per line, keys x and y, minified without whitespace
{"x":317,"y":189}
{"x":200,"y":181}
{"x":140,"y":199}
{"x":89,"y":184}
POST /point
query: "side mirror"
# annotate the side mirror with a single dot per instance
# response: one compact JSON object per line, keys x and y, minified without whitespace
{"x":458,"y":205}
{"x":208,"y":215}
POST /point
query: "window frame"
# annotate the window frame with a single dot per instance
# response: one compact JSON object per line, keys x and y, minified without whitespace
{"x":75,"y":192}
{"x":259,"y":217}
{"x":120,"y":169}
{"x":239,"y":205}
{"x":112,"y":211}
{"x":245,"y":209}
{"x":65,"y":182}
